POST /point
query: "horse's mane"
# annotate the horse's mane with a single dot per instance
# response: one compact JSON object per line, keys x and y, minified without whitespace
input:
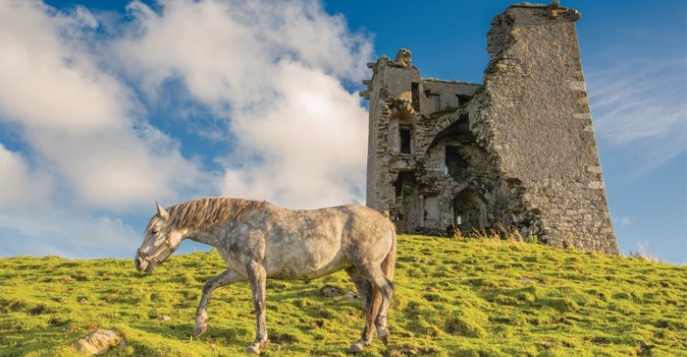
{"x":207,"y":212}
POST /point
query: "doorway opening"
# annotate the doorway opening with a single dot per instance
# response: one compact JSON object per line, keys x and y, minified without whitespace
{"x":469,"y":212}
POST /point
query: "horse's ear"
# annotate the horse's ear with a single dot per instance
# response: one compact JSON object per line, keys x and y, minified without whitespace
{"x":162,"y":212}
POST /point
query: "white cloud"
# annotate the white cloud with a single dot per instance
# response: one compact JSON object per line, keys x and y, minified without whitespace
{"x":227,"y":51}
{"x":312,"y":141}
{"x":49,"y":82}
{"x":277,"y":67}
{"x":80,"y":120}
{"x":78,"y":87}
{"x":21,"y":188}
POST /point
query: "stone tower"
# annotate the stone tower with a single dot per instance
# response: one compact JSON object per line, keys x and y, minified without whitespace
{"x":517,"y":151}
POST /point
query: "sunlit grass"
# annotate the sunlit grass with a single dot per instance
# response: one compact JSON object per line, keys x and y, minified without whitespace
{"x":455,"y":297}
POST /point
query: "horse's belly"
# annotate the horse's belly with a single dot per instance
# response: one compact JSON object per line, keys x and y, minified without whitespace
{"x":303,"y":263}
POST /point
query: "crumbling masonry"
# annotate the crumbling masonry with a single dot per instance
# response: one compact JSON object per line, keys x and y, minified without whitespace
{"x":517,"y":151}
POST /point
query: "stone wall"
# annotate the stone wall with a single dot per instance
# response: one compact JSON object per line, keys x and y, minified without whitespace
{"x":518,"y":151}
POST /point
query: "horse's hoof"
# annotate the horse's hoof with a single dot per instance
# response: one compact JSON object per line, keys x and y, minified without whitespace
{"x":199,"y":330}
{"x":383,"y":334}
{"x":356,"y":347}
{"x":201,"y":324}
{"x":254,"y":349}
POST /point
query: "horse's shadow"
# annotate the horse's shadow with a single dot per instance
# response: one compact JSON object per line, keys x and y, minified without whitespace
{"x":227,"y":337}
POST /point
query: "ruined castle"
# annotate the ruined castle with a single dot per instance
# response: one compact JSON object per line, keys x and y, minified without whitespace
{"x":516,"y":151}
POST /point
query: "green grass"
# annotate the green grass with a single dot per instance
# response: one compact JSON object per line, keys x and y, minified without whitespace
{"x":454,"y":297}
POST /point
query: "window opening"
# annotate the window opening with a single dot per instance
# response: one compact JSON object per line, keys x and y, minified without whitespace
{"x":456,"y":165}
{"x":463,"y":99}
{"x":406,"y":139}
{"x":415,"y":94}
{"x":437,"y":101}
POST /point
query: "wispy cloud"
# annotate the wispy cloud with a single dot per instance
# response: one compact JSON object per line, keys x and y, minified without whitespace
{"x":622,"y":221}
{"x":68,"y":234}
{"x":642,"y":105}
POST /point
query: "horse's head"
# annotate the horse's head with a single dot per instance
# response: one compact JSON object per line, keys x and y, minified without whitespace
{"x":159,"y":243}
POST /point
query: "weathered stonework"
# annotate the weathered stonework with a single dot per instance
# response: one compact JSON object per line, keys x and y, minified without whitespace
{"x":518,"y":150}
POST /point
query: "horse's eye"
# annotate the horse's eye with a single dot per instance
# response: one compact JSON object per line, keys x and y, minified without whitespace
{"x":154,"y":231}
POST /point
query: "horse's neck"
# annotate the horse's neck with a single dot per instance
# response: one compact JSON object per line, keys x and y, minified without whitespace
{"x":228,"y":227}
{"x":215,"y":235}
{"x":212,"y":237}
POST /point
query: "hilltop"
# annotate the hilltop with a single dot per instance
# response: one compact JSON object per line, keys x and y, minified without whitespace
{"x":455,"y":297}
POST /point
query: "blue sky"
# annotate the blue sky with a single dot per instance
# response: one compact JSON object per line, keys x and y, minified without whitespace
{"x":109,"y":106}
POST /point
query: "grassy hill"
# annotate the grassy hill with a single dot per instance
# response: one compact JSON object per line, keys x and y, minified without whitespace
{"x":455,"y":297}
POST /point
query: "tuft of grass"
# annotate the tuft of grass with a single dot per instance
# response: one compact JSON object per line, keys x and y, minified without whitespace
{"x":493,"y":294}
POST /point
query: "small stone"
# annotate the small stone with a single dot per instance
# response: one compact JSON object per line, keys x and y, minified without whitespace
{"x":82,"y":345}
{"x":97,"y":342}
{"x":331,"y":291}
{"x":165,"y":318}
{"x":350,"y":295}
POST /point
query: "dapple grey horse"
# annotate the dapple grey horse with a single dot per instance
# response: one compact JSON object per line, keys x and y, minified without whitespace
{"x":259,"y":240}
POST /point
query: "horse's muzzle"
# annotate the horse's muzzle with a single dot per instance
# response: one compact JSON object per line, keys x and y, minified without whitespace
{"x":143,"y":265}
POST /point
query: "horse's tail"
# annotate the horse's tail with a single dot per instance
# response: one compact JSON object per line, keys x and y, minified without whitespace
{"x":388,"y":268}
{"x":389,"y":264}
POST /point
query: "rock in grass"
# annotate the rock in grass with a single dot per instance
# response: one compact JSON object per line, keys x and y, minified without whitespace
{"x":350,"y":295}
{"x":97,"y":342}
{"x":330,"y":291}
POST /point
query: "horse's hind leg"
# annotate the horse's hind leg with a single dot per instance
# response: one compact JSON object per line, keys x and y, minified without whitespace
{"x":365,"y":291}
{"x":226,"y":278}
{"x":381,"y":290}
{"x":386,"y":287}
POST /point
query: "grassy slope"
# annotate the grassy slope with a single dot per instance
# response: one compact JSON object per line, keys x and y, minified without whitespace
{"x":454,"y":298}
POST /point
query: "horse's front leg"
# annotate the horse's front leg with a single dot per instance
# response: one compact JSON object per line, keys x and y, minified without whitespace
{"x":226,"y":278}
{"x":258,"y":281}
